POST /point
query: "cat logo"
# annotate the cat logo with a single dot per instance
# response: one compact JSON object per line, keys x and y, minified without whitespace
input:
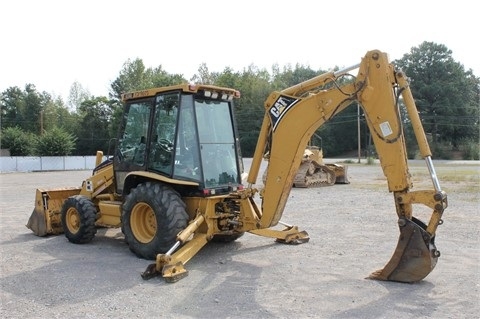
{"x":280,"y":108}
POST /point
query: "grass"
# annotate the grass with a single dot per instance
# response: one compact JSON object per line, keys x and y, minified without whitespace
{"x":453,"y":174}
{"x":453,"y":178}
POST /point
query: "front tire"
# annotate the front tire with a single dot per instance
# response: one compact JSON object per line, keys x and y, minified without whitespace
{"x":79,"y":215}
{"x":152,"y":216}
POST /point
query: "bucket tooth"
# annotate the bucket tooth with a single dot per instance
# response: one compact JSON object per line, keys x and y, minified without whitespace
{"x":415,"y":255}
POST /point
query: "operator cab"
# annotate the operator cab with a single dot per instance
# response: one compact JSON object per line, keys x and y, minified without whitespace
{"x":183,"y":135}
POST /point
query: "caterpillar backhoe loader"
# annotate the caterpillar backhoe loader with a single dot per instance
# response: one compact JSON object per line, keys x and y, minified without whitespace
{"x":174,"y":182}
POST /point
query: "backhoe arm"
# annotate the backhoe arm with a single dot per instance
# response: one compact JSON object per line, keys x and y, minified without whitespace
{"x":294,"y":114}
{"x":288,"y":124}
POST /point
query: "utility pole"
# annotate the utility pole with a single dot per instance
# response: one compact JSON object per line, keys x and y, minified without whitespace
{"x":358,"y":133}
{"x":41,"y":122}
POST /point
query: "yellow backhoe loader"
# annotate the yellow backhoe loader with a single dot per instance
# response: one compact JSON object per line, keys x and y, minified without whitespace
{"x":174,"y":182}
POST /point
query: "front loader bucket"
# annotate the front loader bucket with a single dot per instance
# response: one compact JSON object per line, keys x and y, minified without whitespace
{"x":415,"y":255}
{"x":38,"y":223}
{"x":46,"y":216}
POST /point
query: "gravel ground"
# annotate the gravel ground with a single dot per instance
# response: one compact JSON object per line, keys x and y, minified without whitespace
{"x":353,"y":232}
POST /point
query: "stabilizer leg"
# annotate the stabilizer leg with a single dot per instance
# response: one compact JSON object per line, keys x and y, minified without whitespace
{"x":171,"y":264}
{"x":289,"y":235}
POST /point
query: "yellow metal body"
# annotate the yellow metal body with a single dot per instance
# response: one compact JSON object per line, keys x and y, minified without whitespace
{"x":291,"y":118}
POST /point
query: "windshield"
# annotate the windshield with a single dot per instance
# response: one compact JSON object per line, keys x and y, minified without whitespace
{"x":217,"y":144}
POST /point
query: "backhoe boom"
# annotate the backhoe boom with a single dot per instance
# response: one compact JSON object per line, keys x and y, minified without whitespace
{"x":294,"y":114}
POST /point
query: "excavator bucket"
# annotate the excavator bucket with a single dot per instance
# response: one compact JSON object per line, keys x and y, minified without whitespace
{"x":415,"y":255}
{"x":46,"y":216}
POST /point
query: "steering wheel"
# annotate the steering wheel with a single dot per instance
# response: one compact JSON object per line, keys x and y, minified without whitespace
{"x":164,"y":147}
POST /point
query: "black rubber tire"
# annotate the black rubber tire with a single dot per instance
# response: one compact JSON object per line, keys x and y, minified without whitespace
{"x":79,"y":215}
{"x":152,"y":216}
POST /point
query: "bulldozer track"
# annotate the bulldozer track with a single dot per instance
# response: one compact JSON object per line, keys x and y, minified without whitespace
{"x":312,"y":174}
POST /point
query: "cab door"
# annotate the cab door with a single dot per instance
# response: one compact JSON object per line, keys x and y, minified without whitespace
{"x":131,"y":151}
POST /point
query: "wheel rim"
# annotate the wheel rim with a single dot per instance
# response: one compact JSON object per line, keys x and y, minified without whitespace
{"x":72,"y":220}
{"x":143,"y":223}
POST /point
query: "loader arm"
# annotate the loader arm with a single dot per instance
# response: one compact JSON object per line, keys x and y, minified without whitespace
{"x":294,"y":114}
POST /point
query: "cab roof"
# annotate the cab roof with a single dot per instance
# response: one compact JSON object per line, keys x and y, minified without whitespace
{"x":207,"y":90}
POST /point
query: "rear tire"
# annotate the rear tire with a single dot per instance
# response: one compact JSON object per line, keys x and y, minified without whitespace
{"x":152,"y":216}
{"x":79,"y":215}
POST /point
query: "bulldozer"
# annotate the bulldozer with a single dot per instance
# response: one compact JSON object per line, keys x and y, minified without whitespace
{"x":314,"y":172}
{"x":176,"y":179}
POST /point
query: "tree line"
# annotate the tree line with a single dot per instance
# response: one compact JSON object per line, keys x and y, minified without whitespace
{"x":447,"y":97}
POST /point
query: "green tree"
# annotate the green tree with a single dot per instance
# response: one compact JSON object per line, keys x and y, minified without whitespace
{"x":135,"y":76}
{"x":55,"y":142}
{"x":158,"y":77}
{"x":289,"y":77}
{"x":12,"y":102}
{"x":446,"y":95}
{"x":340,"y":133}
{"x":77,"y":95}
{"x":19,"y":142}
{"x":228,"y":78}
{"x":56,"y":114}
{"x":204,"y":76}
{"x":33,"y":107}
{"x":254,"y":85}
{"x":130,"y":78}
{"x":94,"y":133}
{"x":32,"y":111}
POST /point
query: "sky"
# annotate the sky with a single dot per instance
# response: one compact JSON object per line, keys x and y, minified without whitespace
{"x":54,"y":43}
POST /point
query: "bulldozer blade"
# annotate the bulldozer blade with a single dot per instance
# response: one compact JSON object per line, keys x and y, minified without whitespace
{"x":415,"y":255}
{"x":342,"y":177}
